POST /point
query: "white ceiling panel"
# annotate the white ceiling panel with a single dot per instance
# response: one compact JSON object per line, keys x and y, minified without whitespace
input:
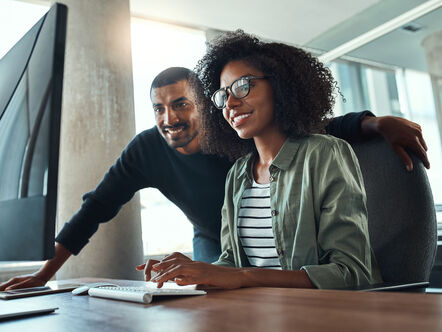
{"x":291,"y":21}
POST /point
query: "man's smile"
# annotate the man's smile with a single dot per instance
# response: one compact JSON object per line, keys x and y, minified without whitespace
{"x":174,"y":130}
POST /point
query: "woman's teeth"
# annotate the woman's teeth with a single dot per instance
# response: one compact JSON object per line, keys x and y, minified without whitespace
{"x":240,"y":117}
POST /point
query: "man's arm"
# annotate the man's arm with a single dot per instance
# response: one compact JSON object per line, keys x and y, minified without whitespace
{"x":42,"y":276}
{"x":118,"y":186}
{"x":348,"y":126}
{"x":400,"y":133}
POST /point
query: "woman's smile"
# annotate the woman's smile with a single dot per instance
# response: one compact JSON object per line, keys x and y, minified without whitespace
{"x":239,"y":119}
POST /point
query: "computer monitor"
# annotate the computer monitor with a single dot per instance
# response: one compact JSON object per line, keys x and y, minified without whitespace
{"x":31,"y":80}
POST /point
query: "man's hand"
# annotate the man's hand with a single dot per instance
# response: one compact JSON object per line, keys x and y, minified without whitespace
{"x":24,"y":281}
{"x":400,"y":133}
{"x":184,"y":271}
{"x":42,"y":276}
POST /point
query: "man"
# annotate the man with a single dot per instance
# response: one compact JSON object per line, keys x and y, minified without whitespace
{"x":168,"y":158}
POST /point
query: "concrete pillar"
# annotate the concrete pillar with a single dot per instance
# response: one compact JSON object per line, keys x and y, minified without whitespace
{"x":97,"y":123}
{"x":433,"y":50}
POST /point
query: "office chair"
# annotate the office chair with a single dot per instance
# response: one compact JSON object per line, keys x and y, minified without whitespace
{"x":401,"y":215}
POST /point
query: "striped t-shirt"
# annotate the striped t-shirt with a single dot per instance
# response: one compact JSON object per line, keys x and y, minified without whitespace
{"x":255,"y":227}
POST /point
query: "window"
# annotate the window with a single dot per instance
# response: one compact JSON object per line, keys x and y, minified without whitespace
{"x":421,"y":109}
{"x":349,"y":76}
{"x":365,"y":87}
{"x":155,"y":47}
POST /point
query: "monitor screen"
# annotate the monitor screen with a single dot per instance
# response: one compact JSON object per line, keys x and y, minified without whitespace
{"x":31,"y":79}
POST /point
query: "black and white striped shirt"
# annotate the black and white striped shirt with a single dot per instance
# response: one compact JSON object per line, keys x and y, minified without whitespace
{"x":255,"y":227}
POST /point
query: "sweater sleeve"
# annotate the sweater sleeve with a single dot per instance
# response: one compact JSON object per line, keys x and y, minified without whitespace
{"x":348,"y":126}
{"x":117,"y":187}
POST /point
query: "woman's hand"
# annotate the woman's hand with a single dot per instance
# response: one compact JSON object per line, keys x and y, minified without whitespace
{"x":184,"y":271}
{"x":147,"y":267}
{"x":401,"y":134}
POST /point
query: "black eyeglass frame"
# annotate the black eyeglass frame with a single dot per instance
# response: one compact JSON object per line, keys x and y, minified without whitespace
{"x":229,"y":88}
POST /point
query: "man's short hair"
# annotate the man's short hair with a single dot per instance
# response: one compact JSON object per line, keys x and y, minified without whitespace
{"x":170,"y":76}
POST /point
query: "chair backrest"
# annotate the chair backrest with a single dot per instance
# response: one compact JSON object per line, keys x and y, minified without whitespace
{"x":401,"y":215}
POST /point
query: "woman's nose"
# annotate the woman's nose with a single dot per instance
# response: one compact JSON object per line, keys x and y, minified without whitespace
{"x":232,"y":101}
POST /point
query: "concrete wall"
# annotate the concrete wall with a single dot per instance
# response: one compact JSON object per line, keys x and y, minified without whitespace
{"x":97,"y":123}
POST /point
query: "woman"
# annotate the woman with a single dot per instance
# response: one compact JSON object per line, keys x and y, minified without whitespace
{"x":294,"y":213}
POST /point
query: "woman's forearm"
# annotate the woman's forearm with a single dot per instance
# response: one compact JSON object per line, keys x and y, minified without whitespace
{"x":184,"y":271}
{"x":256,"y":277}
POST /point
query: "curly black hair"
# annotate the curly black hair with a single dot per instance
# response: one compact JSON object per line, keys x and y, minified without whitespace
{"x":303,"y":90}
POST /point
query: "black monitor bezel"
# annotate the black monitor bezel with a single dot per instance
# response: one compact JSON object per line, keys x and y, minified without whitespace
{"x":45,"y":205}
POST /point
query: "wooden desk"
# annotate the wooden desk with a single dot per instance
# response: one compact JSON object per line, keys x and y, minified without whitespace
{"x":252,"y":309}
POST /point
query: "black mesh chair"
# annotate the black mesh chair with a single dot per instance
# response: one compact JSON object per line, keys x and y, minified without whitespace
{"x":401,"y":214}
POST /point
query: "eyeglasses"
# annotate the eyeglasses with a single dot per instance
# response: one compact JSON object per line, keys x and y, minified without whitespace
{"x":239,"y":89}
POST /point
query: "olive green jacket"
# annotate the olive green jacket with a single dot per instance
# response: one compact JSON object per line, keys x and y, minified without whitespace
{"x":319,"y":213}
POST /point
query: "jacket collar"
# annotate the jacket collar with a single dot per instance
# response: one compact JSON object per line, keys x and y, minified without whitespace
{"x":282,"y":160}
{"x":287,"y":154}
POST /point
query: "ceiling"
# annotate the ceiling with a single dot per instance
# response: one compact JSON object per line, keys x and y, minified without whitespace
{"x":317,"y":24}
{"x":294,"y":21}
{"x":398,"y":48}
